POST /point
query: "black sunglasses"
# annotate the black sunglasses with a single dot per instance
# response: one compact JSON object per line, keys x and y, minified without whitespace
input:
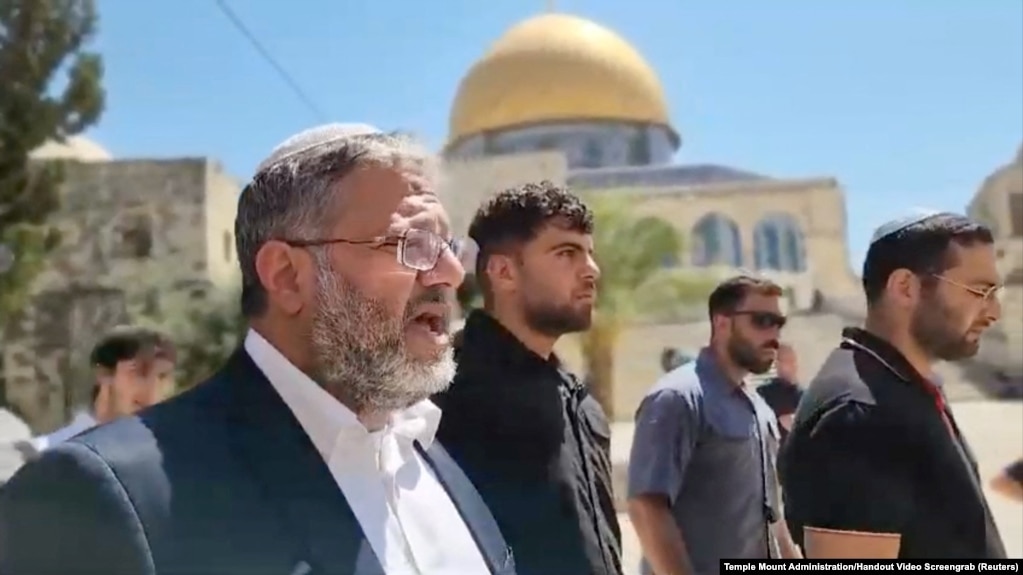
{"x":764,"y":319}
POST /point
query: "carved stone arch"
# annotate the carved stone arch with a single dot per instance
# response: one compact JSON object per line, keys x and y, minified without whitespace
{"x":715,"y":241}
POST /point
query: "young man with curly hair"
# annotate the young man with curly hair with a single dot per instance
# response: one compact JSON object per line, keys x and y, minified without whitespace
{"x":525,"y":431}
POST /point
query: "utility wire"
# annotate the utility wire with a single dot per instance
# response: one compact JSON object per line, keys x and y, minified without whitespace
{"x":265,"y":54}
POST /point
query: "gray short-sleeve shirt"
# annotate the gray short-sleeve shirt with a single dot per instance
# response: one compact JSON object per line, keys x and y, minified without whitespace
{"x":710,"y":448}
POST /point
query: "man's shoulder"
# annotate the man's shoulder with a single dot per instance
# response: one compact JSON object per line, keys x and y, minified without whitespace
{"x":838,"y":382}
{"x":682,"y":382}
{"x":174,"y":424}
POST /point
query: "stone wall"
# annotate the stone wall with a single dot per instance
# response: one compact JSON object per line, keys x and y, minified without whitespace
{"x":468,"y":183}
{"x":999,"y":204}
{"x":136,"y":234}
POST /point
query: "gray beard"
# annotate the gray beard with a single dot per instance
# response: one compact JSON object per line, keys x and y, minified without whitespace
{"x":359,"y":351}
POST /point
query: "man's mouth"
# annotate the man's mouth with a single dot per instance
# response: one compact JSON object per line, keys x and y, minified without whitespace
{"x":435,"y":321}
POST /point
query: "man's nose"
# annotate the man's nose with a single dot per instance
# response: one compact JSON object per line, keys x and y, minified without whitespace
{"x":592,"y":270}
{"x":994,"y":309}
{"x":448,"y":271}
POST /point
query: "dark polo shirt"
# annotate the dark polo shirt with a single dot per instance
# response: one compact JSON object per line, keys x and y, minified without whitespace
{"x":869,"y":451}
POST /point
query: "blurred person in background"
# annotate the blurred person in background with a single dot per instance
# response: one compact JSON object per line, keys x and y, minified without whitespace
{"x":672,"y":357}
{"x":133,"y":369}
{"x":782,"y":392}
{"x":1010,"y":481}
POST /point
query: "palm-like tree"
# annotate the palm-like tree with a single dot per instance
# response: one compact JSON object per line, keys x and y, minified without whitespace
{"x":632,"y":251}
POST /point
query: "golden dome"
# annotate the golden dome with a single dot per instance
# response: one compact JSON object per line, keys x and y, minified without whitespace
{"x":557,"y":67}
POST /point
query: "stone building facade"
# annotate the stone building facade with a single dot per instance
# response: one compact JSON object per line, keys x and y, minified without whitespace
{"x":999,"y":204}
{"x":601,"y":124}
{"x":137,"y":234}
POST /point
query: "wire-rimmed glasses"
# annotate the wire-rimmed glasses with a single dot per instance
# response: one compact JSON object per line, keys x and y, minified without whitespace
{"x":417,"y":249}
{"x":989,"y":294}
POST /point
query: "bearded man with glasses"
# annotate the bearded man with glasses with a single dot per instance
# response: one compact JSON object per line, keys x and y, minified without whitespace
{"x":875,"y":466}
{"x":312,"y":450}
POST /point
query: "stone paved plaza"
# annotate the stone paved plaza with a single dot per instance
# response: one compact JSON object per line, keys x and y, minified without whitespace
{"x":995,"y":432}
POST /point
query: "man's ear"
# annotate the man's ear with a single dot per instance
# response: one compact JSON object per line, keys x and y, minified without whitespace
{"x":502,"y":273}
{"x":718,"y":322}
{"x":282,"y":270}
{"x":103,"y":375}
{"x":903,"y":286}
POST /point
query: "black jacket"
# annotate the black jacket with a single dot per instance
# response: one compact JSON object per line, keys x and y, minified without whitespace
{"x":536,"y":446}
{"x":870,"y":451}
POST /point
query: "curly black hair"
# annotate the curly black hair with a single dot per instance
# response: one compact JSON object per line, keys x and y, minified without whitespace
{"x":515,"y":216}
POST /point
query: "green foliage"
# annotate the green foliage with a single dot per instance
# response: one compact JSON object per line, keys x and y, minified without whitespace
{"x":205,"y":331}
{"x":675,"y":295}
{"x":631,"y":251}
{"x":41,"y":39}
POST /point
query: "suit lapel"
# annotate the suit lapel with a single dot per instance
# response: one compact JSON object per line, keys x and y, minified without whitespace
{"x":293,"y":475}
{"x":473,"y":510}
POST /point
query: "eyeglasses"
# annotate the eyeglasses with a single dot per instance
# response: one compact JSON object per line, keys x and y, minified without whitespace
{"x":764,"y":319}
{"x":987,"y":295}
{"x":417,"y":249}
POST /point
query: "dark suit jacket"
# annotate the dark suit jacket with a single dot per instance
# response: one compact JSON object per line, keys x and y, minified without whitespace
{"x":219,"y":480}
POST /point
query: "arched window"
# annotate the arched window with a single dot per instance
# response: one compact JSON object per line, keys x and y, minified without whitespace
{"x":593,"y":154}
{"x":716,"y":241}
{"x":778,"y":244}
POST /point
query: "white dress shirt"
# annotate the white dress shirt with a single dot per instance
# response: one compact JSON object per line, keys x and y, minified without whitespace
{"x":410,"y":521}
{"x":81,"y":422}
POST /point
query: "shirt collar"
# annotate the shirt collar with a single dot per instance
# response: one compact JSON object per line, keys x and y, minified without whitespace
{"x":500,"y":344}
{"x":84,"y":420}
{"x":708,"y":370}
{"x":325,"y":420}
{"x":887,"y":354}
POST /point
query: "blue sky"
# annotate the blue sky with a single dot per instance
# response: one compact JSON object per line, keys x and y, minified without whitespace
{"x":908,"y":103}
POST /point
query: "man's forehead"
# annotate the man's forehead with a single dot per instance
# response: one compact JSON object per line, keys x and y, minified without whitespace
{"x":418,"y":210}
{"x":560,"y":231}
{"x":376,"y":196}
{"x":975,"y":262}
{"x":759,"y":301}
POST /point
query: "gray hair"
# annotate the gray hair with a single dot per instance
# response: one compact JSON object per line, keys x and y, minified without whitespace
{"x":293,"y":195}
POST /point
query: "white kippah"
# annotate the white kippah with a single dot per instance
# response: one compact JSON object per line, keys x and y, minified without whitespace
{"x":898,"y":224}
{"x":313,"y":138}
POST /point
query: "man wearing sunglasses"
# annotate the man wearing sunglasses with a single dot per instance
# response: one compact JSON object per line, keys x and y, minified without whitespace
{"x":875,"y":466}
{"x":312,"y":450}
{"x":702,"y":482}
{"x":1010,"y":481}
